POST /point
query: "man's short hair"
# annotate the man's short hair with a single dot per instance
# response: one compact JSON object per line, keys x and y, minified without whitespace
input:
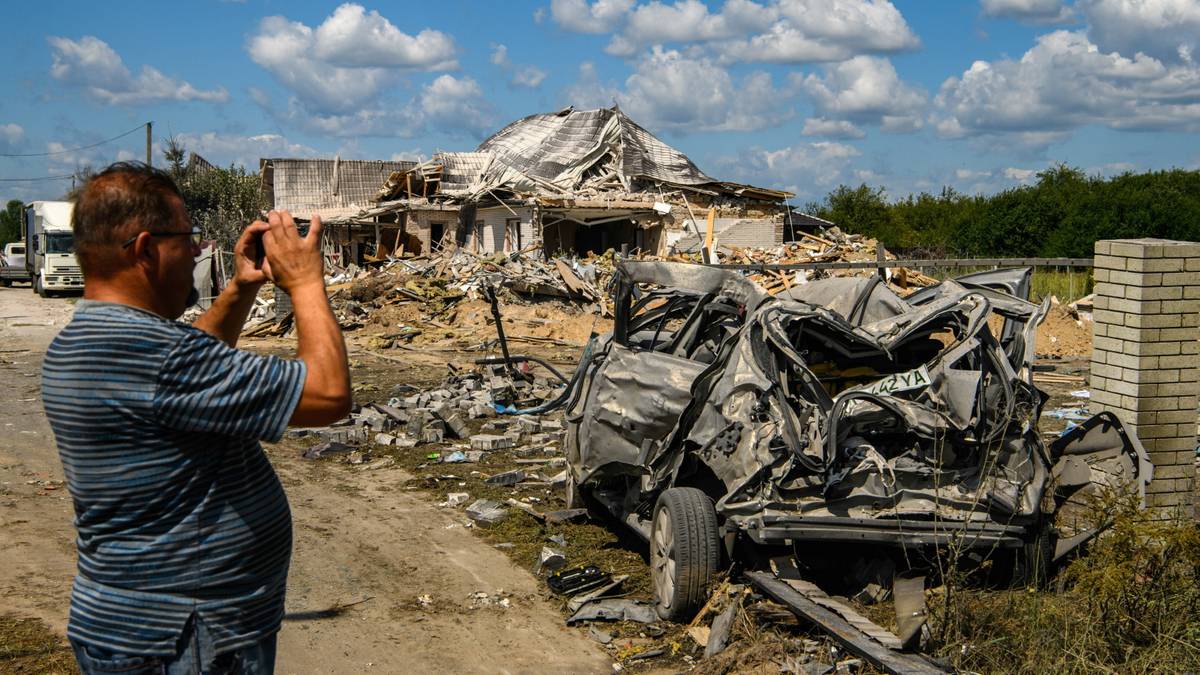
{"x":122,"y":200}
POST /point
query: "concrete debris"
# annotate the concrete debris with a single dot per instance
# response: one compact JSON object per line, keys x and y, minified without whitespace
{"x":566,"y":516}
{"x":491,"y":442}
{"x":327,"y":449}
{"x":614,"y":609}
{"x":486,"y":512}
{"x":507,"y":478}
{"x":457,"y":498}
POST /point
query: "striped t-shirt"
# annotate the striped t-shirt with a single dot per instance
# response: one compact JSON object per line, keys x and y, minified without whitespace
{"x":177,"y":509}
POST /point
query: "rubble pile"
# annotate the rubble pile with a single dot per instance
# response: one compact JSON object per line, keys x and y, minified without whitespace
{"x":440,"y":282}
{"x":491,"y":399}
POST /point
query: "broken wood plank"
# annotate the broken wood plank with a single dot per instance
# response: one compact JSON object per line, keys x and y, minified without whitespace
{"x":840,"y":629}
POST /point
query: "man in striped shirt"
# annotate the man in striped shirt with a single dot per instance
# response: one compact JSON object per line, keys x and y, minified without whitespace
{"x":184,"y":531}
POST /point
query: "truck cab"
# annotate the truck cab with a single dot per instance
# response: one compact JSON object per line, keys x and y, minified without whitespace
{"x":12,"y":264}
{"x":50,"y":248}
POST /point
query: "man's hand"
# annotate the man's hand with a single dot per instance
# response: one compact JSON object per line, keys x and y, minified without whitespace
{"x":247,"y":271}
{"x":293,"y":261}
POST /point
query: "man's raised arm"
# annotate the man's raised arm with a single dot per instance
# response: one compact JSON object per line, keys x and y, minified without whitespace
{"x":295,"y":264}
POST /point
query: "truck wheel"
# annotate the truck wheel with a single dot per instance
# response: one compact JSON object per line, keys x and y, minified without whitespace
{"x":38,"y":288}
{"x":684,"y":552}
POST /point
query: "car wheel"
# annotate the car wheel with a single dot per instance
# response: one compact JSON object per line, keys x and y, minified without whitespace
{"x":1036,"y":558}
{"x":684,"y":552}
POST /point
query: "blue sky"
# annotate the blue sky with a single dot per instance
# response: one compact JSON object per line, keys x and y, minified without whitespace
{"x":796,"y":94}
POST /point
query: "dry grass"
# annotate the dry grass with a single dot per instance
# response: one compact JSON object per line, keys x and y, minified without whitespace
{"x":29,"y":646}
{"x":1131,"y":605}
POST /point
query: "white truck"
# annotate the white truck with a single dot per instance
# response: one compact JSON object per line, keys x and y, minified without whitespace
{"x":50,"y":248}
{"x":12,"y":264}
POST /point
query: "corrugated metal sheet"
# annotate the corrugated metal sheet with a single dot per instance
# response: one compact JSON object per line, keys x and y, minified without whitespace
{"x":566,"y":149}
{"x":326,"y":185}
{"x":460,"y":170}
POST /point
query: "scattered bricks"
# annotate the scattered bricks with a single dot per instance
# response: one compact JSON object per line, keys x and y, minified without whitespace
{"x":406,"y":443}
{"x":417,"y":423}
{"x":552,"y":425}
{"x":457,"y":498}
{"x":432,"y":434}
{"x":507,"y":478}
{"x":457,"y":426}
{"x":516,"y":437}
{"x":478,"y":411}
{"x":528,"y":424}
{"x":396,"y":414}
{"x":475,"y":456}
{"x":491,"y":442}
{"x":385,"y":439}
{"x":327,"y":449}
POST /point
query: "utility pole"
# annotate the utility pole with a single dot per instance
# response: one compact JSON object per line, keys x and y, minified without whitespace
{"x":149,"y":127}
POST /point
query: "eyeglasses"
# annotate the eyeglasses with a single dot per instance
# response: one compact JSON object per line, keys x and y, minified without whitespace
{"x":194,"y":233}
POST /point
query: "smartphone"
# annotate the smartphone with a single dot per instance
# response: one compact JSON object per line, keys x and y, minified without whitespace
{"x":260,"y":252}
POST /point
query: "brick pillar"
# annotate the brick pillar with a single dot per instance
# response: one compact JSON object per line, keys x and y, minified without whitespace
{"x":1144,"y":356}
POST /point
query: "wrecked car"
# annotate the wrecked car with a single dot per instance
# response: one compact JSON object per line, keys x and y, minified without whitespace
{"x":717,"y":420}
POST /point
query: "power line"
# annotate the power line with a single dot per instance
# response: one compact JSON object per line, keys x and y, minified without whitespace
{"x":82,"y":147}
{"x":35,"y":180}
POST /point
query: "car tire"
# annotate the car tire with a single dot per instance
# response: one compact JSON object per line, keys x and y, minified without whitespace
{"x":1035,"y":559}
{"x":684,"y":552}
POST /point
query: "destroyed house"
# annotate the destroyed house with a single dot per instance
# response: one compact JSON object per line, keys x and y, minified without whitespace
{"x":342,"y":192}
{"x":584,"y":181}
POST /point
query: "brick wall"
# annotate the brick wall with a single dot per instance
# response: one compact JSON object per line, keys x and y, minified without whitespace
{"x":1144,"y":355}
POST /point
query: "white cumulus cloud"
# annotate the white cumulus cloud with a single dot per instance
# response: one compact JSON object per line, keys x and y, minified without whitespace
{"x":11,"y":136}
{"x":346,"y":61}
{"x":245,"y":151}
{"x":354,"y":37}
{"x":867,"y":90}
{"x":90,"y":63}
{"x":528,"y":77}
{"x":1029,"y":11}
{"x":1064,"y":82}
{"x":819,"y":126}
{"x":454,"y":106}
{"x":807,"y":169}
{"x":668,"y":90}
{"x":1168,"y":30}
{"x":772,"y":31}
{"x":581,"y":16}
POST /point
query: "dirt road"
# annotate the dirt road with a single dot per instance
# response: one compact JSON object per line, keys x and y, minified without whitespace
{"x":360,"y":537}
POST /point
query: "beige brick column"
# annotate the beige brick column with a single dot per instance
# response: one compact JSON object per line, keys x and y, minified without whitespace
{"x":1144,"y":355}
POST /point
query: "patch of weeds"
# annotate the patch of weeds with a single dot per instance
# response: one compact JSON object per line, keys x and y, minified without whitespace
{"x":1131,"y":604}
{"x":29,"y":646}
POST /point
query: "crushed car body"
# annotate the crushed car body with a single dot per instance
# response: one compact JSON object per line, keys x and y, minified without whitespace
{"x":836,"y":411}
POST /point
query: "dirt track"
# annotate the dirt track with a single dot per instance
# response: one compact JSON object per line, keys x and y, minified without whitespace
{"x":359,"y":535}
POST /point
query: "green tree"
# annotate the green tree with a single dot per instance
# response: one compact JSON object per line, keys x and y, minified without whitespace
{"x":220,"y":201}
{"x":10,"y":221}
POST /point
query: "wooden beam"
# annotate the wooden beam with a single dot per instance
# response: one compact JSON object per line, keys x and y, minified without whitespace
{"x":707,"y":252}
{"x":841,"y":630}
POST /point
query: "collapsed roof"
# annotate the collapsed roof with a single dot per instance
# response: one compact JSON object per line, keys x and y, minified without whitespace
{"x":564,"y":153}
